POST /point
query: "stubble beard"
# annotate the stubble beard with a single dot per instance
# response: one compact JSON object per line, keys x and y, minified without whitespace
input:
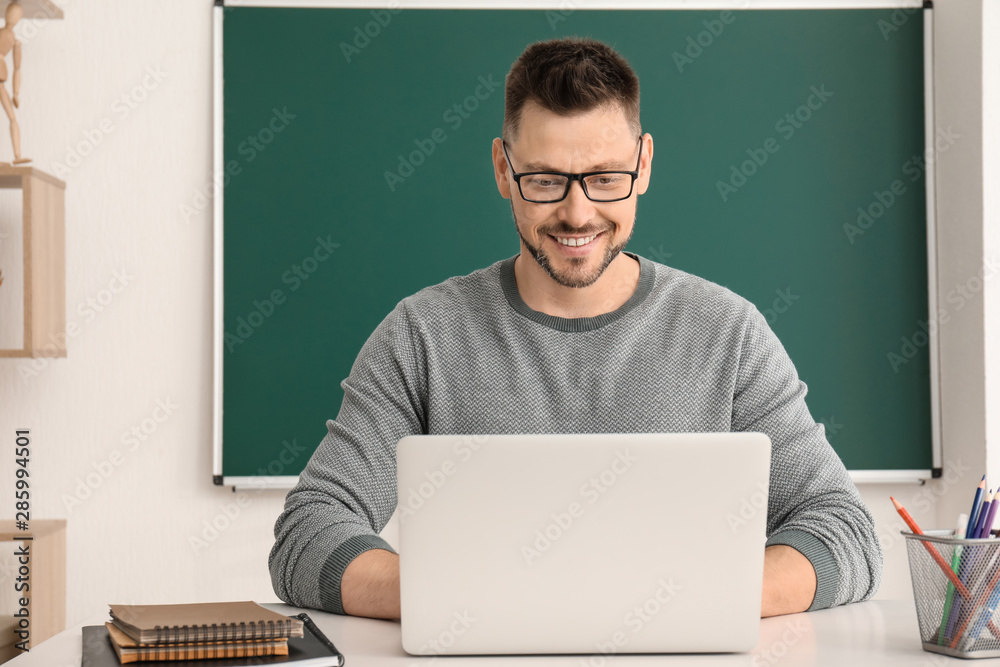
{"x":574,"y":278}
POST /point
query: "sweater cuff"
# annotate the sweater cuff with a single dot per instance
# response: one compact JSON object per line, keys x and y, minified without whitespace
{"x":333,"y":569}
{"x":827,"y":572}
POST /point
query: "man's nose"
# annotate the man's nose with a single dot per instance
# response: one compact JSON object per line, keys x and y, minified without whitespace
{"x":577,"y":208}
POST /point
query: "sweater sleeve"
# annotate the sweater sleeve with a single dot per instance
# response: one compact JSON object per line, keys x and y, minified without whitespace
{"x":347,"y":492}
{"x":813,"y":505}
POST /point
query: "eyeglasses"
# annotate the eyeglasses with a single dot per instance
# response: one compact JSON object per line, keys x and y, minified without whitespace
{"x":546,"y":187}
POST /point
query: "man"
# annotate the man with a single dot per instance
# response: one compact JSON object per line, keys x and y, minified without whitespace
{"x":570,"y":335}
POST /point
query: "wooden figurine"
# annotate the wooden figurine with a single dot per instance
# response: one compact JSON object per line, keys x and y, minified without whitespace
{"x":7,"y":42}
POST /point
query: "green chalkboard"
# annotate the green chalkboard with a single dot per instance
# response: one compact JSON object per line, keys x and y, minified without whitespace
{"x":787,"y":167}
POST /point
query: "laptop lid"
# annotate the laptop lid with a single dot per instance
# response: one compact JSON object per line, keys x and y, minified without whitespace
{"x":581,"y":543}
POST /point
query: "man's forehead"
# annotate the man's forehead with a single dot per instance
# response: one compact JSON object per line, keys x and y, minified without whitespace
{"x":600,"y":138}
{"x":607,"y":121}
{"x":548,"y":152}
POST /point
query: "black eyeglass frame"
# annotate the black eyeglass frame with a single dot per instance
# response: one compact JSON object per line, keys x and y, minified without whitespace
{"x":572,"y":177}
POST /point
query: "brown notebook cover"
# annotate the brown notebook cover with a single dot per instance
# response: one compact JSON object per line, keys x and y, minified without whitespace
{"x":202,"y":621}
{"x":129,"y":650}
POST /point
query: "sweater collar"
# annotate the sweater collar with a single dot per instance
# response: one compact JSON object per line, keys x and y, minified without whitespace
{"x":509,"y":284}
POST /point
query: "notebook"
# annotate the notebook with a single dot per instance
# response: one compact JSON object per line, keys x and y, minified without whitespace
{"x":581,"y":543}
{"x":202,"y":621}
{"x":312,"y":649}
{"x":129,"y":650}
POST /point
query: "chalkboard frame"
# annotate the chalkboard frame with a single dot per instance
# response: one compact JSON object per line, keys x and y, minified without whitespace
{"x":218,"y":161}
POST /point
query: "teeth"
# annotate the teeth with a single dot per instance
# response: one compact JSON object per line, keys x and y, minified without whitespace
{"x":577,"y":242}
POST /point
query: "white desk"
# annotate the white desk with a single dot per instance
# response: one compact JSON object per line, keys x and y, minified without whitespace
{"x":878,"y":632}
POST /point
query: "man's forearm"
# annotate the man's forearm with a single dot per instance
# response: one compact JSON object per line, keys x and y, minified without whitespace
{"x":370,"y":585}
{"x":789,"y":581}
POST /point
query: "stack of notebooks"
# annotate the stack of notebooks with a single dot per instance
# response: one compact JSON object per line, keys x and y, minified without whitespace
{"x":228,"y":633}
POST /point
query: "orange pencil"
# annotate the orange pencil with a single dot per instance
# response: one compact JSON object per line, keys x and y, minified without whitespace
{"x":956,"y":582}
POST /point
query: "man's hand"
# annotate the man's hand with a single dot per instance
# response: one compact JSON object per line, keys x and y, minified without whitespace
{"x":370,"y":585}
{"x":789,"y":581}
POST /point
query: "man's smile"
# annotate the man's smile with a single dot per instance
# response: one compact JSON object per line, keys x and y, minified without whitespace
{"x":576,"y":245}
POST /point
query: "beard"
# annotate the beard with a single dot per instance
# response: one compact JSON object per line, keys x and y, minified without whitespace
{"x":577,"y":275}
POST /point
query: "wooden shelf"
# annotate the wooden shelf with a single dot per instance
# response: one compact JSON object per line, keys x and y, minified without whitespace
{"x":36,"y":9}
{"x":44,"y":212}
{"x":38,"y":529}
{"x":46,"y":542}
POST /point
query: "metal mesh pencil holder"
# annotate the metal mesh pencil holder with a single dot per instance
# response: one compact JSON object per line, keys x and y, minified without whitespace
{"x":956,"y":589}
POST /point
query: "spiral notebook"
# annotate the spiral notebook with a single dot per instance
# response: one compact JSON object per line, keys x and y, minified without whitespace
{"x":312,"y":649}
{"x":202,"y":621}
{"x":129,"y":650}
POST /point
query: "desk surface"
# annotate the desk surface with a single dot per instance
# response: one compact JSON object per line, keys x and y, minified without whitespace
{"x":878,"y":632}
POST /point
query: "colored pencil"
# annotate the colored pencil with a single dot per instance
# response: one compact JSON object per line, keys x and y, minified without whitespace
{"x":975,"y":562}
{"x":970,"y":533}
{"x":979,"y":603}
{"x":956,"y":558}
{"x":952,"y":577}
{"x":984,"y":532}
{"x":975,"y":555}
{"x":985,"y":615}
{"x":984,"y":509}
{"x":959,"y":586}
{"x":974,"y":513}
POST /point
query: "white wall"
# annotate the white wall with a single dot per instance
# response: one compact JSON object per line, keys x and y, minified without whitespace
{"x":958,"y":70}
{"x":131,"y":539}
{"x":991,"y":221}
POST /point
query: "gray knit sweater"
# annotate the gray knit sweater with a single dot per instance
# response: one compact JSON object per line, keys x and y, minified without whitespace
{"x":468,"y":356}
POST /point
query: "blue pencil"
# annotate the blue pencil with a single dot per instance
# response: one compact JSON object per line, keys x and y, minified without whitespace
{"x":974,"y":513}
{"x":967,"y":555}
{"x":975,"y":554}
{"x":984,"y":508}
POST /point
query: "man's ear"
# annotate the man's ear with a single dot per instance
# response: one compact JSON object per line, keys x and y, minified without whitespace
{"x":500,"y":169}
{"x":645,"y":164}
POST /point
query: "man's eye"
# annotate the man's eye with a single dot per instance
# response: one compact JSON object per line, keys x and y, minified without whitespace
{"x":606,"y":180}
{"x":543,"y":182}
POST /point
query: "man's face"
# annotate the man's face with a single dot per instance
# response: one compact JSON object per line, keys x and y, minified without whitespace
{"x":595,"y":141}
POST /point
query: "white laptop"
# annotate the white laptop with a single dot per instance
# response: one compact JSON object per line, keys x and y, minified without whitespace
{"x":582,"y":543}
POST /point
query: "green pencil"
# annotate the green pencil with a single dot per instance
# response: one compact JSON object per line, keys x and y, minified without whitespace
{"x":963,"y":520}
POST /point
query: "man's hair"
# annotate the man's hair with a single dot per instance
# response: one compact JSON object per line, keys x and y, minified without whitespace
{"x":570,"y":76}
